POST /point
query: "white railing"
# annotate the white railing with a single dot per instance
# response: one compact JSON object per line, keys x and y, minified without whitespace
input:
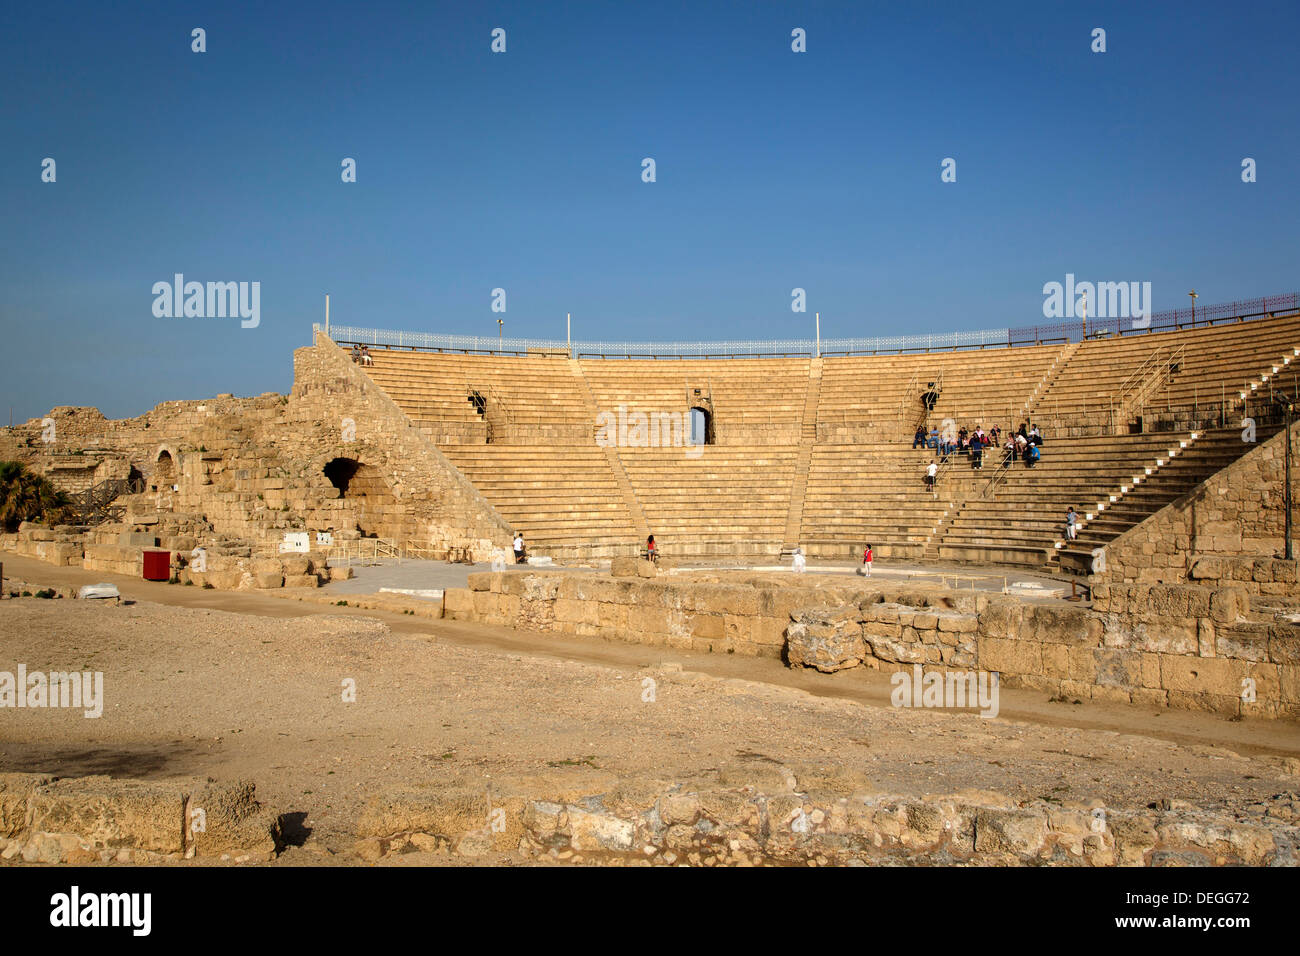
{"x":772,"y":347}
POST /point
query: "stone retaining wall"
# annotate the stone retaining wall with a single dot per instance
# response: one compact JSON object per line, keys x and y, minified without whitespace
{"x":44,"y":819}
{"x":764,"y":822}
{"x":1186,"y":646}
{"x":1230,"y":528}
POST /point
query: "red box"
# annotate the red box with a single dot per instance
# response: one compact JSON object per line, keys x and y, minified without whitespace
{"x":157,"y":565}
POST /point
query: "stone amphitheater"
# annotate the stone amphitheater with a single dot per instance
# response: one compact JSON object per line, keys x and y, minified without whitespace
{"x":1178,"y":593}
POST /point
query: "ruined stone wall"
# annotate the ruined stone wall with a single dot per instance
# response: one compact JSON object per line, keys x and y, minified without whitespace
{"x":435,"y":505}
{"x":81,"y":820}
{"x":254,"y":468}
{"x":1237,"y":514}
{"x":1189,"y":647}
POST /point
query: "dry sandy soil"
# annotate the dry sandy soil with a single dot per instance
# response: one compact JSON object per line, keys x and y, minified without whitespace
{"x":198,"y":691}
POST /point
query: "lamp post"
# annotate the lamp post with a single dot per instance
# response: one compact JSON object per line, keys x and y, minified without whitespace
{"x":1193,"y":295}
{"x":1290,"y":411}
{"x":500,"y":333}
{"x":1288,"y":407}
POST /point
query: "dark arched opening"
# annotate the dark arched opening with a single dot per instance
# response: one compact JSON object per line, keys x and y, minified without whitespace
{"x":340,"y":473}
{"x":701,"y":426}
{"x":164,"y":467}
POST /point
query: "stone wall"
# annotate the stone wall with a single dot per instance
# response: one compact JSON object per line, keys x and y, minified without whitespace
{"x":434,"y":503}
{"x":80,"y":820}
{"x":1237,"y":514}
{"x":1190,"y":647}
{"x":255,"y":468}
{"x":755,"y":817}
{"x":708,"y":616}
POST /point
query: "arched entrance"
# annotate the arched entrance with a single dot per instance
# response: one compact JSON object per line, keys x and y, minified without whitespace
{"x":373,"y":500}
{"x":701,"y":426}
{"x":164,"y":471}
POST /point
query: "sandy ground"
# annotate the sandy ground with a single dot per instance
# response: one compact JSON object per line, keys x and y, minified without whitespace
{"x":195,"y":690}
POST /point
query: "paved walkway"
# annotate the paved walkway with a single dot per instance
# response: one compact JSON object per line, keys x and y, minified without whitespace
{"x":414,"y":575}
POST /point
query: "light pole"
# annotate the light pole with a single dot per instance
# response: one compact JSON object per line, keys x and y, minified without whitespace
{"x":1290,"y":411}
{"x":1193,"y":295}
{"x":1288,"y":406}
{"x":500,"y":333}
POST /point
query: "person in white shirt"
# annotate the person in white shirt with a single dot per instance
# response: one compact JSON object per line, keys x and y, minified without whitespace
{"x":519,"y":548}
{"x":800,"y":563}
{"x":930,"y":472}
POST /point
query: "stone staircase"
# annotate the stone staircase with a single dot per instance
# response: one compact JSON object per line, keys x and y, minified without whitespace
{"x":635,"y":513}
{"x":1175,"y":474}
{"x":1061,"y":360}
{"x":807,"y":439}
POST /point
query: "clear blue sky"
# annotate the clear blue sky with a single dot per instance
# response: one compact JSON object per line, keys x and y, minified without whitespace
{"x":522,"y":170}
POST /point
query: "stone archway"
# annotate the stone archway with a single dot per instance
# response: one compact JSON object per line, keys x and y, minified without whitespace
{"x":166,"y":469}
{"x":364,"y":486}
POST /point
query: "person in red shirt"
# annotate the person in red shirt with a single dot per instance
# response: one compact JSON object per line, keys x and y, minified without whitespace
{"x":651,"y":552}
{"x":867,"y":558}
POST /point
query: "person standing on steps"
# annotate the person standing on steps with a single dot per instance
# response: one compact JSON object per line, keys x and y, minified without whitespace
{"x":519,"y":548}
{"x":651,"y":552}
{"x":867,"y":558}
{"x":930,"y":472}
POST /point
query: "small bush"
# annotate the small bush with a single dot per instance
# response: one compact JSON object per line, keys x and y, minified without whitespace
{"x":207,"y":586}
{"x":45,"y":593}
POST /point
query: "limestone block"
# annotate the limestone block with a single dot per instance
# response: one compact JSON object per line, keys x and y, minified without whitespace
{"x":1010,"y":657}
{"x":111,"y":813}
{"x":826,"y":647}
{"x":231,"y":820}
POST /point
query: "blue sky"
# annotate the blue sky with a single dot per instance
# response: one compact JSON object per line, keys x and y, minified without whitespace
{"x":522,"y":171}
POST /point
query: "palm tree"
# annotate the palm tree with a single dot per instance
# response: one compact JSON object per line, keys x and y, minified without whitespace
{"x":26,"y":496}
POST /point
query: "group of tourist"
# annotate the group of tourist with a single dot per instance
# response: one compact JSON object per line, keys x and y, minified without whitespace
{"x":1025,"y":444}
{"x":361,"y":355}
{"x":963,"y":442}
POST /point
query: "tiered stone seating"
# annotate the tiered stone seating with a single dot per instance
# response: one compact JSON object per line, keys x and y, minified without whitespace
{"x":1217,"y":363}
{"x":731,"y":499}
{"x":434,"y":387}
{"x":1025,"y":516}
{"x":744,"y":391}
{"x":564,"y":499}
{"x":843,"y":419}
{"x":1209,"y":453}
{"x":876,"y":493}
{"x":984,"y":387}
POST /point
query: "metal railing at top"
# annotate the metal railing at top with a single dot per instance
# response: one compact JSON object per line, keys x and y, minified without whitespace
{"x":1048,"y":333}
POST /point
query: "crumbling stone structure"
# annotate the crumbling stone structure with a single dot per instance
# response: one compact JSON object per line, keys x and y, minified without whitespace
{"x":1184,"y":646}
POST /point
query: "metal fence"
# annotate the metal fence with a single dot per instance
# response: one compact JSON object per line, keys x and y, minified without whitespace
{"x":1060,"y":332}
